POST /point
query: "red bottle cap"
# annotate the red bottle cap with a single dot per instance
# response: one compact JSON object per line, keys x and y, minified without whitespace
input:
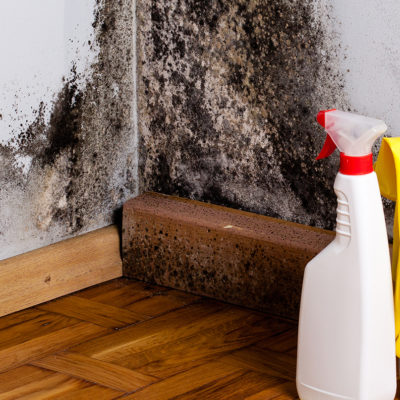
{"x":356,"y":165}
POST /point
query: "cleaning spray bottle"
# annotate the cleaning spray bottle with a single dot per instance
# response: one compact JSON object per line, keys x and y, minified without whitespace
{"x":346,"y":344}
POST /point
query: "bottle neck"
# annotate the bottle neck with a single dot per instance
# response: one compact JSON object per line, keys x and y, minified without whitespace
{"x":356,"y":165}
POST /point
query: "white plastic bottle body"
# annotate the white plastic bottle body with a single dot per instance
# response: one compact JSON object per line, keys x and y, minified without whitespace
{"x":346,"y":345}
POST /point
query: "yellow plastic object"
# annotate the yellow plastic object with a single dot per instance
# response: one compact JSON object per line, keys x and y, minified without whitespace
{"x":387,"y":168}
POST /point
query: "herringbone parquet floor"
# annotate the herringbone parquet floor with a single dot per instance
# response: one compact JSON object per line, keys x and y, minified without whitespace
{"x":125,"y":339}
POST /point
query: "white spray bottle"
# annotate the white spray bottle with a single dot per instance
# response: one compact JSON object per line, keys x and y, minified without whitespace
{"x":346,"y":344}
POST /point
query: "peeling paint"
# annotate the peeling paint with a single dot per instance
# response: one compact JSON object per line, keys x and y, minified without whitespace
{"x":70,"y":172}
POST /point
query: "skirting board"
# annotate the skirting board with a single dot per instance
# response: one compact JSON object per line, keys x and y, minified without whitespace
{"x":231,"y":255}
{"x":59,"y":269}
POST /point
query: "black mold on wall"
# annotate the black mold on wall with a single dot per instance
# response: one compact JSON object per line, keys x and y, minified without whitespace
{"x":83,"y":160}
{"x":229,"y":92}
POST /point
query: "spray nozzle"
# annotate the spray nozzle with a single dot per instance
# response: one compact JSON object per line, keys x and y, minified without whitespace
{"x":352,"y":134}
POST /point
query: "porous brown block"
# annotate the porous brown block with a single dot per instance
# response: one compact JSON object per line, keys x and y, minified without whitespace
{"x":231,"y":255}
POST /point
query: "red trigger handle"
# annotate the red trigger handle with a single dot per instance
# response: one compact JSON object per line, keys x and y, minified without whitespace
{"x":328,"y":149}
{"x":329,"y":145}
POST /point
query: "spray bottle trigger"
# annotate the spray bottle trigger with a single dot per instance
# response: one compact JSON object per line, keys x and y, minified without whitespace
{"x":328,"y":148}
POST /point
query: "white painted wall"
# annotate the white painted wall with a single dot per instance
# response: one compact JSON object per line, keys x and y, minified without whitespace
{"x":39,"y":41}
{"x":366,"y":34}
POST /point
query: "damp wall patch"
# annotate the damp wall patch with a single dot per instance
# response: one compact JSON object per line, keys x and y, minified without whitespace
{"x":68,"y":143}
{"x":229,"y":92}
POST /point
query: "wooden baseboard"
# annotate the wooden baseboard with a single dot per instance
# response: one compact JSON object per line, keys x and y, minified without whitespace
{"x":231,"y":255}
{"x":59,"y":269}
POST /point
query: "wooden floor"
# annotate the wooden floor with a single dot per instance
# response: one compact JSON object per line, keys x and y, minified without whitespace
{"x":125,"y":339}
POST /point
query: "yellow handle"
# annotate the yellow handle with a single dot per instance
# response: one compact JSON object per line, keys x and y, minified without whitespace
{"x":387,"y":168}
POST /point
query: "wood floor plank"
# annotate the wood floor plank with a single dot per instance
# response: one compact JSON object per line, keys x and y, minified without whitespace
{"x":21,"y":376}
{"x":139,"y":297}
{"x":24,"y":350}
{"x":106,"y":287}
{"x":19,"y":317}
{"x":268,"y":362}
{"x":30,"y":382}
{"x":282,"y":342}
{"x":169,"y":344}
{"x":163,"y":302}
{"x":99,"y":372}
{"x":232,"y":387}
{"x":243,"y":329}
{"x":292,"y":352}
{"x":186,"y":382}
{"x":170,"y":358}
{"x":284,"y":391}
{"x":51,"y":387}
{"x":167,"y":328}
{"x":91,"y":311}
{"x":91,"y":392}
{"x":120,"y":292}
{"x":42,"y":324}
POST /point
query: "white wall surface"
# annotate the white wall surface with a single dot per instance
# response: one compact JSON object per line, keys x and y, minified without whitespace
{"x":39,"y":41}
{"x":366,"y":36}
{"x":49,"y":49}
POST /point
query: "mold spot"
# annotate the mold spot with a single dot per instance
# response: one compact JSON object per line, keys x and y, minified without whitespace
{"x":64,"y":131}
{"x":228,"y":94}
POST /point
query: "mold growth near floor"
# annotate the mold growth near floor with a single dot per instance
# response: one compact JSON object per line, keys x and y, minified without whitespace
{"x":229,"y":94}
{"x":70,"y":172}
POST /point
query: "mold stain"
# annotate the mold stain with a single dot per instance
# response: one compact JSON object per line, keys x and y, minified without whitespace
{"x":83,"y":160}
{"x":64,"y":132}
{"x":229,"y":94}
